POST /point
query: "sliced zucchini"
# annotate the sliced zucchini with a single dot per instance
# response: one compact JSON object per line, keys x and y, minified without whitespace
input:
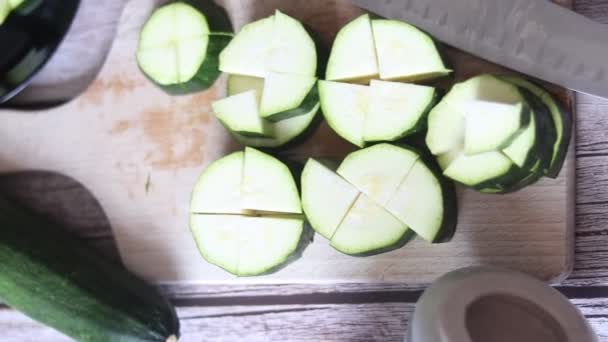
{"x":268,"y":184}
{"x":246,"y":245}
{"x":491,"y":126}
{"x":377,"y":171}
{"x":369,"y":229}
{"x":218,"y":188}
{"x":245,"y":214}
{"x":284,"y":131}
{"x":405,"y":53}
{"x":248,"y":53}
{"x":293,"y":50}
{"x":521,"y":150}
{"x":345,"y":106}
{"x":178,"y":51}
{"x":278,"y":43}
{"x":488,"y":134}
{"x":479,"y":170}
{"x":561,"y":122}
{"x":288,"y":95}
{"x":396,"y":110}
{"x":425,"y":203}
{"x":239,"y":113}
{"x":326,"y":197}
{"x":353,"y":54}
{"x":445,"y":128}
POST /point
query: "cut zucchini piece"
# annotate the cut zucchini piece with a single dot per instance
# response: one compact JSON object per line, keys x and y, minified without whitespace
{"x":293,"y":50}
{"x":288,"y":95}
{"x":345,"y":107}
{"x":218,"y":188}
{"x":377,"y":171}
{"x":284,"y":131}
{"x":561,"y":122}
{"x":425,"y":203}
{"x":479,"y":169}
{"x":326,"y":197}
{"x":277,"y":43}
{"x":396,"y":110}
{"x":490,"y":126}
{"x":268,"y":184}
{"x":245,"y":245}
{"x":353,"y":54}
{"x":445,"y":128}
{"x":249,"y":51}
{"x":177,"y":50}
{"x":521,"y":150}
{"x":405,"y":53}
{"x":239,"y":113}
{"x":368,"y":229}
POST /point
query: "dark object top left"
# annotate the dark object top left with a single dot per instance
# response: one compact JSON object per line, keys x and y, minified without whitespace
{"x":28,"y":39}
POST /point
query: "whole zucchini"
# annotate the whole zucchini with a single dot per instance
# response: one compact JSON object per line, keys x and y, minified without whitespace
{"x":54,"y":278}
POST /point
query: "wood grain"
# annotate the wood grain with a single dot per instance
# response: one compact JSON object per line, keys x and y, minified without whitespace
{"x":385,"y":322}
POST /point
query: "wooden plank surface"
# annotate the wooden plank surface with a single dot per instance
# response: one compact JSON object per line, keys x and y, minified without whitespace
{"x":56,"y":196}
{"x":123,"y":134}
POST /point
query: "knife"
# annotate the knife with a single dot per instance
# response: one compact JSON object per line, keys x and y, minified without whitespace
{"x":535,"y":37}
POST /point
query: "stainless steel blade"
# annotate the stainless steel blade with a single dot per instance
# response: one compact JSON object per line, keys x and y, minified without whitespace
{"x":535,"y":37}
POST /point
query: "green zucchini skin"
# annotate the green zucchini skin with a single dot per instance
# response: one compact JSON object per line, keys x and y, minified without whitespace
{"x":309,"y":102}
{"x":221,"y":33}
{"x":53,"y":277}
{"x":402,"y":241}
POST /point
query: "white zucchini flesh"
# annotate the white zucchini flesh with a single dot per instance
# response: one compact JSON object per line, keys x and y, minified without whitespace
{"x":345,"y":106}
{"x":353,"y":55}
{"x":418,"y":202}
{"x":239,"y":113}
{"x":268,"y":184}
{"x":367,"y":227}
{"x":293,"y":51}
{"x":218,"y":188}
{"x":519,"y":149}
{"x":277,"y":43}
{"x":248,"y":52}
{"x":405,"y":53}
{"x":378,"y":170}
{"x":395,"y":109}
{"x":173,"y":44}
{"x":477,"y":168}
{"x":246,"y":245}
{"x":491,"y":126}
{"x":326,"y":197}
{"x":445,"y":128}
{"x":283,"y":92}
{"x":283,"y":131}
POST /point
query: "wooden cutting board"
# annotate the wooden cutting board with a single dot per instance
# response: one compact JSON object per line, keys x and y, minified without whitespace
{"x":139,"y":152}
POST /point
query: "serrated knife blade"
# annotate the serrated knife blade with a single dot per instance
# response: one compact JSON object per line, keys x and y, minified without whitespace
{"x":535,"y":37}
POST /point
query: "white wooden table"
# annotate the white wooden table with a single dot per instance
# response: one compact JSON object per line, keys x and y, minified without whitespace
{"x":340,"y":312}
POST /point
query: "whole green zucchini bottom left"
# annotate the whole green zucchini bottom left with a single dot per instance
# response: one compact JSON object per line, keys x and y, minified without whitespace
{"x":54,"y":278}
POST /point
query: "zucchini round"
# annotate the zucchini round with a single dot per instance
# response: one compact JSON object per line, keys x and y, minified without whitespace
{"x":179,"y":48}
{"x":376,"y":52}
{"x":56,"y":279}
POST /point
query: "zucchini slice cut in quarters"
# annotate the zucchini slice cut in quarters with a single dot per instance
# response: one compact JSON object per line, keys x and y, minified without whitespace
{"x":277,"y":58}
{"x":284,"y":131}
{"x":560,"y":123}
{"x":383,"y":111}
{"x":179,"y":51}
{"x":375,"y":52}
{"x":489,"y":134}
{"x":245,"y":214}
{"x":369,"y":211}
